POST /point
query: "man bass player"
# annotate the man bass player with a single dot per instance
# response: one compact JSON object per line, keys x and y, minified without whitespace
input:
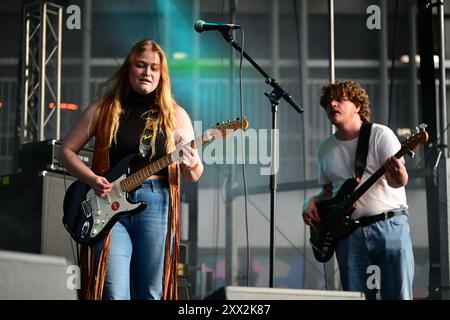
{"x":382,"y":238}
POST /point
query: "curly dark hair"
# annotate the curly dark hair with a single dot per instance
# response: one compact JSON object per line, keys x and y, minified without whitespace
{"x":349,"y":90}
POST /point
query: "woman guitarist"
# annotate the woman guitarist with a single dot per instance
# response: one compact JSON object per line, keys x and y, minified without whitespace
{"x":138,"y":259}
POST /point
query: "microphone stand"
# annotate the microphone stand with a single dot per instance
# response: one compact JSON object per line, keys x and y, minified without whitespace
{"x":274,"y":97}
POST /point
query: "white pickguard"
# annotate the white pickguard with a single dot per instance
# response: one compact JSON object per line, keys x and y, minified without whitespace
{"x":104,"y":209}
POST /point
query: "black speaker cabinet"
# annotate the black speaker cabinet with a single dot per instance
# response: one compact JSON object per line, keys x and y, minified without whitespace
{"x":43,"y":155}
{"x":31,"y":213}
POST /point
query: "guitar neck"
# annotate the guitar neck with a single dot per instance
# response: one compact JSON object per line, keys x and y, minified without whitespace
{"x":137,"y":178}
{"x":367,"y":184}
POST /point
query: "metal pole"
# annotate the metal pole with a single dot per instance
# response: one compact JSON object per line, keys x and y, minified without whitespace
{"x":87,"y":27}
{"x":42,"y":84}
{"x":442,"y":89}
{"x":26,"y":75}
{"x":332,"y":62}
{"x":58,"y":76}
{"x":166,"y":29}
{"x":196,"y":53}
{"x":331,"y":266}
{"x":305,"y":102}
{"x":332,"y":59}
{"x":412,"y":65}
{"x":273,"y":178}
{"x":383,"y":105}
{"x":444,"y":164}
{"x":193,"y":204}
{"x":231,"y":266}
{"x":275,"y":20}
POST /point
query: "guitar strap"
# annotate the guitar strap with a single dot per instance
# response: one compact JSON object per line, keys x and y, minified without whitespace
{"x":150,"y":116}
{"x":362,"y":149}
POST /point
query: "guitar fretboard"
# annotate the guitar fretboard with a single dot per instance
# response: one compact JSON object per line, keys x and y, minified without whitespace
{"x":137,"y":178}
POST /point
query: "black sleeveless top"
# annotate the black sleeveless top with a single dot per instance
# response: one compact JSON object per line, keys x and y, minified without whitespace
{"x":131,"y":125}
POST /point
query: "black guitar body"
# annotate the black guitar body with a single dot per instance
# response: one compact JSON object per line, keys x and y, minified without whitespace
{"x":335,"y":222}
{"x":84,"y":211}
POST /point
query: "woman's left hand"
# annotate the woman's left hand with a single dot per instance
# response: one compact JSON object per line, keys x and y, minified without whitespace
{"x":188,"y":157}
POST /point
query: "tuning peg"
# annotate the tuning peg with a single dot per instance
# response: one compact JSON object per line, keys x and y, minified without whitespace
{"x":411,"y":153}
{"x":423,"y":126}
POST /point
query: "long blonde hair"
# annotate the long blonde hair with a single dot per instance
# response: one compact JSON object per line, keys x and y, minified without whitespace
{"x":111,"y":101}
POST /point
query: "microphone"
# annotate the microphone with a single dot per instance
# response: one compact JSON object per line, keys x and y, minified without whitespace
{"x":201,"y":26}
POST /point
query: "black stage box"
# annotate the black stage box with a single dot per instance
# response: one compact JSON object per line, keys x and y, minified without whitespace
{"x":31,"y":213}
{"x":43,"y":155}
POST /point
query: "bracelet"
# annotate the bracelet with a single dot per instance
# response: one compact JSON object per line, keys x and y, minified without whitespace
{"x":194,"y":167}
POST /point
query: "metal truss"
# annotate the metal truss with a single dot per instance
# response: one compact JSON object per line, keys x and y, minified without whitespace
{"x":41,"y":81}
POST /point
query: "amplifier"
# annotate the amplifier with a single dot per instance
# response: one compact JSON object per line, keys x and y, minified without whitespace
{"x":43,"y":155}
{"x":31,"y":214}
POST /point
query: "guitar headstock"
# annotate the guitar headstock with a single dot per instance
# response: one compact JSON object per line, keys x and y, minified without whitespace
{"x":222,"y":129}
{"x":410,"y":145}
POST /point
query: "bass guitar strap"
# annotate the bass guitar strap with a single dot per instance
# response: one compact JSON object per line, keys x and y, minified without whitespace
{"x":362,"y":149}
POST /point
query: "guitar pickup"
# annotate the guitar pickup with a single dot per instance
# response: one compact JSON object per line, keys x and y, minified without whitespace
{"x":87,"y":209}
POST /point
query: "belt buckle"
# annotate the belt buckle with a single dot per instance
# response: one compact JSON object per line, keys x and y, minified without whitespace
{"x":391,"y":213}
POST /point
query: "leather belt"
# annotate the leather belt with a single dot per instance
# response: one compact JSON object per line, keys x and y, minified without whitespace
{"x":364,"y":221}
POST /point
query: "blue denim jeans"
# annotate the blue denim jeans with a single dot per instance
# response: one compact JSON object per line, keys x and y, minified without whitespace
{"x":383,"y":246}
{"x":136,"y":258}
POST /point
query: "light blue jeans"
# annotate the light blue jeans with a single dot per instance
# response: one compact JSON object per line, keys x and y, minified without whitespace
{"x":136,"y":258}
{"x":383,"y":246}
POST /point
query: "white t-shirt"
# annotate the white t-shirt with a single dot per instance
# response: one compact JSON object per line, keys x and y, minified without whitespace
{"x":336,"y":161}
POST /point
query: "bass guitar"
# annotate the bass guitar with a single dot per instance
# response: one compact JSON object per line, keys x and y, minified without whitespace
{"x":88,"y":217}
{"x":335,"y":213}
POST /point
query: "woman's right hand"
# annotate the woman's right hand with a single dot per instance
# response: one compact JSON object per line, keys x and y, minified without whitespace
{"x":101,"y":186}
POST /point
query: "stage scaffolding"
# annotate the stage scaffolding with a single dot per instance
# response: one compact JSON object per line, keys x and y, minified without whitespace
{"x":41,"y":72}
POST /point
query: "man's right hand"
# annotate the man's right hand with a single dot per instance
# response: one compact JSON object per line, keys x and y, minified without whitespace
{"x":310,"y":214}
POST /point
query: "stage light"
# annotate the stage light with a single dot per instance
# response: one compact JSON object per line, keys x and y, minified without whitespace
{"x":65,"y":106}
{"x":179,"y":55}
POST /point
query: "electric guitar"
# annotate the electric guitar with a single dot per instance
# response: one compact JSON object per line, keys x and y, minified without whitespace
{"x":335,"y":213}
{"x":88,"y":217}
